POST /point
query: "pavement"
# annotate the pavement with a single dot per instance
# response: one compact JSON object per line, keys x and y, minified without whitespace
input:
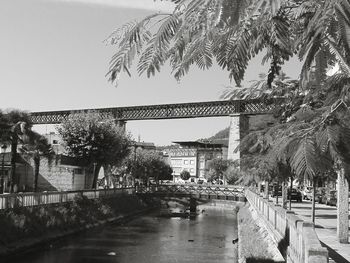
{"x":326,"y":228}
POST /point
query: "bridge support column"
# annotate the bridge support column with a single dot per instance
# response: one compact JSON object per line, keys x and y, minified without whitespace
{"x":239,"y":127}
{"x":193,"y":205}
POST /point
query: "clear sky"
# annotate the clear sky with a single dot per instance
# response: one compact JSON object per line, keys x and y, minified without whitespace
{"x":52,"y":57}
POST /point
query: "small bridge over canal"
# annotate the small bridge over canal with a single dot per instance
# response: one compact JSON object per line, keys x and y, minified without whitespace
{"x":178,"y":190}
{"x":196,"y":191}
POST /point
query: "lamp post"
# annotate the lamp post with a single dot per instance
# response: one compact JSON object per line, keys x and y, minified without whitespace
{"x":3,"y":150}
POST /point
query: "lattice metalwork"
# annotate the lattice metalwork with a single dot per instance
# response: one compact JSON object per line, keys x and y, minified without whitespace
{"x":165,"y":111}
{"x":200,"y":191}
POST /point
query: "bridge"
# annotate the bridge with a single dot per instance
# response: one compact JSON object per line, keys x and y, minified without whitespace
{"x":240,"y":112}
{"x":197,"y":191}
{"x":29,"y":199}
{"x":165,"y":111}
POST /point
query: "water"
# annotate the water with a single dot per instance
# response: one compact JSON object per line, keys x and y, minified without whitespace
{"x":208,"y":238}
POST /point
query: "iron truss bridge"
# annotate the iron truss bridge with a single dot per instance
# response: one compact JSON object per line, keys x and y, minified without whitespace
{"x":197,"y":191}
{"x":165,"y":111}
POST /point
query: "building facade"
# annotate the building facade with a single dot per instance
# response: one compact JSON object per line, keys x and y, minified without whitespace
{"x":194,"y":156}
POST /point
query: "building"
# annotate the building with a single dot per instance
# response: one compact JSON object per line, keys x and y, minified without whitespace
{"x":58,"y":173}
{"x":194,"y":156}
{"x":56,"y":142}
{"x":144,"y":146}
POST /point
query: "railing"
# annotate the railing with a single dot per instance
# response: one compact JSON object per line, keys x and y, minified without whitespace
{"x":303,"y":243}
{"x":45,"y":198}
{"x":200,"y":191}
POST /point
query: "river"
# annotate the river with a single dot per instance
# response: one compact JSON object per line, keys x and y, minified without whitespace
{"x":149,"y":239}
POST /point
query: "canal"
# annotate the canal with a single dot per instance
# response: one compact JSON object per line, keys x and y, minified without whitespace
{"x":149,"y":238}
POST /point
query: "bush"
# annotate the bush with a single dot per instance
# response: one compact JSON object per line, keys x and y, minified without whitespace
{"x":185,"y":175}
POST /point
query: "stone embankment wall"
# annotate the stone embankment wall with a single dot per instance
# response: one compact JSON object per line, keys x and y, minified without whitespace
{"x":254,"y":242}
{"x":296,"y":239}
{"x":23,"y":228}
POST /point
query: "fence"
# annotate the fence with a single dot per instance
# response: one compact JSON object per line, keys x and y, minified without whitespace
{"x":198,"y":191}
{"x":45,"y":198}
{"x":300,"y":237}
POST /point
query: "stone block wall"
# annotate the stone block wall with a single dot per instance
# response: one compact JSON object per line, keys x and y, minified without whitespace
{"x":53,"y":175}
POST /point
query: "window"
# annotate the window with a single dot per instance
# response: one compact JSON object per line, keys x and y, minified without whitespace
{"x":201,"y":165}
{"x":191,"y":170}
{"x":176,"y":162}
{"x":192,"y":162}
{"x":185,"y":161}
{"x":54,"y":141}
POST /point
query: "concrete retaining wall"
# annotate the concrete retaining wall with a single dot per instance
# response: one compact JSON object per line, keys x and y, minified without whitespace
{"x":296,"y":239}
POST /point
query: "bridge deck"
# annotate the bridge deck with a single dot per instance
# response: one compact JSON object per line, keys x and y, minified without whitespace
{"x":165,"y":111}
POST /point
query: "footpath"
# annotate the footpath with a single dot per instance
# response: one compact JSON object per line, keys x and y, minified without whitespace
{"x":326,"y":229}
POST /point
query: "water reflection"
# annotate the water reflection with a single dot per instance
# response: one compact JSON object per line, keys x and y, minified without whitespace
{"x":208,"y":238}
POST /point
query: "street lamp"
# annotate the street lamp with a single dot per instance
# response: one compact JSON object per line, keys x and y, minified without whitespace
{"x":3,"y":150}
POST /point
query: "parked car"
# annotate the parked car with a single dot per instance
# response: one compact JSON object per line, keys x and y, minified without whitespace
{"x":276,"y":191}
{"x":307,"y":192}
{"x":331,"y":198}
{"x":295,"y":194}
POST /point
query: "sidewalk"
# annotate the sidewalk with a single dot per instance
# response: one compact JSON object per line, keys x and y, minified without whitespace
{"x":326,"y":228}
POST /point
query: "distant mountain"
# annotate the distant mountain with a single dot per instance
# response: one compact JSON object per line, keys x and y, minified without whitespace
{"x":223,"y":134}
{"x":220,"y":137}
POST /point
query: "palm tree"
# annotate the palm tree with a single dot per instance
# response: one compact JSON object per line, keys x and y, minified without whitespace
{"x":14,"y":127}
{"x":36,"y":146}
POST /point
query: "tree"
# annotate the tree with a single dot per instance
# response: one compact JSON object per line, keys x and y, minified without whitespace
{"x":231,"y":175}
{"x":36,"y":145}
{"x":96,"y":139}
{"x":185,"y":175}
{"x":146,"y":164}
{"x":217,"y":167}
{"x":14,"y":126}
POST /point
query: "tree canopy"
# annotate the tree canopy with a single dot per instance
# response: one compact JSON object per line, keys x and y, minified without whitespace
{"x":231,"y":32}
{"x":185,"y":175}
{"x":146,"y":164}
{"x":15,"y":126}
{"x":95,"y":138}
{"x":217,"y":168}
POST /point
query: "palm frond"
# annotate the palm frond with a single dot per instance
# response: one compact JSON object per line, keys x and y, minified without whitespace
{"x":156,"y":53}
{"x":130,"y":40}
{"x":306,"y":160}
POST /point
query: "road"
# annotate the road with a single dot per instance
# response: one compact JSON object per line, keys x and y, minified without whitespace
{"x":326,"y":228}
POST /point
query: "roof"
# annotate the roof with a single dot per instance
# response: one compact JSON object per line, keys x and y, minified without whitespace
{"x":199,"y":144}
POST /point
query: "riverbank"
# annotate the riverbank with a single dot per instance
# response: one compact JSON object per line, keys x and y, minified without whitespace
{"x":26,"y":228}
{"x":255,"y":244}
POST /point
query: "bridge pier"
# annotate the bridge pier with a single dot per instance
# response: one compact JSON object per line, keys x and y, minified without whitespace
{"x":239,"y":127}
{"x":193,"y":205}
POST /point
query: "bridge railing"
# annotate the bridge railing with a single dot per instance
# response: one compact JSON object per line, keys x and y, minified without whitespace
{"x":208,"y":191}
{"x":46,"y":198}
{"x":301,"y":238}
